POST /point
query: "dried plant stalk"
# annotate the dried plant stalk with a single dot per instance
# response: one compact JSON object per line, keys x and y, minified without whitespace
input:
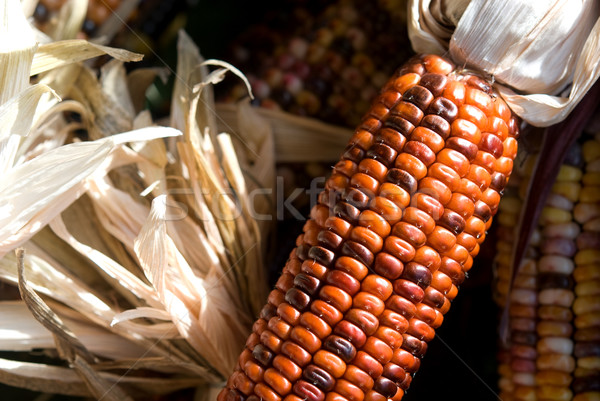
{"x":138,"y":253}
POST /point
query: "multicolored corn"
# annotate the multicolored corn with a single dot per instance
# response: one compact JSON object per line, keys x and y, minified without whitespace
{"x":555,"y":363}
{"x":97,"y":12}
{"x":387,"y":245}
{"x":554,"y":343}
{"x":325,"y":60}
{"x":517,"y":359}
{"x":586,"y":274}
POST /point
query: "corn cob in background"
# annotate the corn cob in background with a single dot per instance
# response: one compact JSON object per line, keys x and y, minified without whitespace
{"x":323,"y":60}
{"x":508,"y":214}
{"x":145,"y":26}
{"x":387,"y":245}
{"x":555,"y":362}
{"x":523,"y":336}
{"x":547,"y":335}
{"x":98,"y":12}
{"x":516,"y":360}
{"x":586,"y":307}
{"x":505,"y":226}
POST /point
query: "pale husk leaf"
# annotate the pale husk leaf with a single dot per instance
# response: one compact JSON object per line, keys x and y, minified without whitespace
{"x":185,"y":296}
{"x":53,"y":177}
{"x":117,"y":19}
{"x":100,"y":388}
{"x":258,"y":166}
{"x":297,"y":139}
{"x":16,"y":115}
{"x":141,"y":312}
{"x":119,"y":213}
{"x":42,"y":378}
{"x":188,"y":57}
{"x":114,"y":83}
{"x":17,"y":47}
{"x":249,"y":234}
{"x":70,"y":20}
{"x":48,"y":278}
{"x":57,"y":380}
{"x":28,"y":7}
{"x":544,"y":55}
{"x":43,"y":314}
{"x":109,"y":117}
{"x":57,"y":54}
{"x":19,"y":331}
{"x":117,"y":274}
{"x":49,"y":130}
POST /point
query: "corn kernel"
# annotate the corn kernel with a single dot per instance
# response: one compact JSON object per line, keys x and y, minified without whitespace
{"x":587,"y":256}
{"x":552,"y":215}
{"x":589,"y":194}
{"x":591,"y":178}
{"x":569,"y":173}
{"x":568,"y":189}
{"x":591,"y":151}
{"x":592,"y":225}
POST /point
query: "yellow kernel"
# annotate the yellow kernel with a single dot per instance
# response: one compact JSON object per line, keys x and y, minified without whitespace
{"x":590,"y":287}
{"x":587,"y":256}
{"x":503,"y":247}
{"x":568,"y":189}
{"x":582,"y":372}
{"x":591,"y":151}
{"x":502,"y":287}
{"x":504,"y":272}
{"x":586,"y":304}
{"x":556,"y":393}
{"x":510,"y":205}
{"x":525,"y":393}
{"x":583,"y":273}
{"x":552,"y":215}
{"x":587,"y":320}
{"x":505,"y":370}
{"x":589,"y":194}
{"x":504,"y":259}
{"x":507,"y":219}
{"x":569,"y":173}
{"x":591,"y":178}
{"x":589,"y":362}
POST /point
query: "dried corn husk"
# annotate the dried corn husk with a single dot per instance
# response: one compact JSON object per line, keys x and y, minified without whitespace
{"x":297,"y":139}
{"x":544,"y":55}
{"x":139,"y":254}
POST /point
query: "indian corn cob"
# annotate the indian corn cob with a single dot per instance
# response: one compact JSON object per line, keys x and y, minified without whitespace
{"x":586,"y":306}
{"x":387,"y":245}
{"x":325,"y":60}
{"x":522,"y":331}
{"x":149,"y":22}
{"x":555,"y":362}
{"x":506,"y":222}
{"x":517,"y":358}
{"x":542,"y":359}
{"x":506,"y":225}
{"x":97,"y":12}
